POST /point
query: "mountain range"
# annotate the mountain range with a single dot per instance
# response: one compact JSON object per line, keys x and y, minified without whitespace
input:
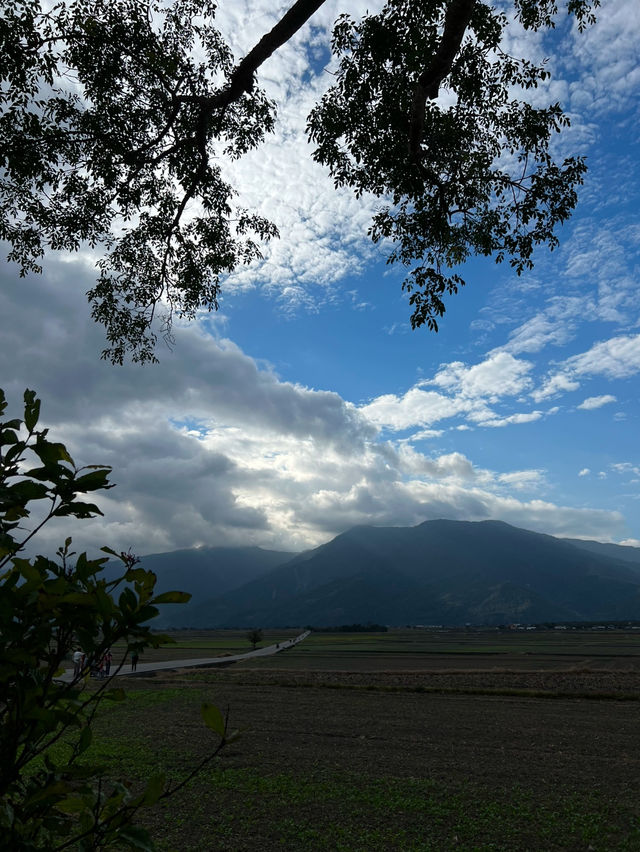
{"x":439,"y":572}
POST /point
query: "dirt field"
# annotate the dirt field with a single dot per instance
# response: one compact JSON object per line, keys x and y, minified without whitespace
{"x":370,"y":751}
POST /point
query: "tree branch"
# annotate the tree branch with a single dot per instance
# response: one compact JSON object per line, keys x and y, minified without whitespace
{"x":456,"y":21}
{"x":296,"y":17}
{"x":241,"y":79}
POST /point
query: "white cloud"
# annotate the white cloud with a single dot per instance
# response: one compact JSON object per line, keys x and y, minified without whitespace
{"x":529,"y":417}
{"x":427,"y":434}
{"x":499,"y":375}
{"x":416,"y":407}
{"x":584,"y":472}
{"x":592,"y":402}
{"x":453,"y":466}
{"x":602,"y":255}
{"x":610,"y":52}
{"x":554,"y":386}
{"x":626,"y":468}
{"x":553,"y":327}
{"x":523,"y":479}
{"x":209,"y":448}
{"x":463,"y":391}
{"x":616,"y":358}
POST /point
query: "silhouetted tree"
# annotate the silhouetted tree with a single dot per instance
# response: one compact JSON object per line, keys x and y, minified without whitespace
{"x":114,"y":115}
{"x":255,"y":637}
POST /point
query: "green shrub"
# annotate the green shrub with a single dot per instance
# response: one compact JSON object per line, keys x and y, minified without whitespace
{"x":51,"y":796}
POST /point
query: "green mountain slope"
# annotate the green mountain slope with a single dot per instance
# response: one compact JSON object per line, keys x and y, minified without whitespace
{"x":445,"y":572}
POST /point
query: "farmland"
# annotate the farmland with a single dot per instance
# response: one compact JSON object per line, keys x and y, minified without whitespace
{"x":407,"y":740}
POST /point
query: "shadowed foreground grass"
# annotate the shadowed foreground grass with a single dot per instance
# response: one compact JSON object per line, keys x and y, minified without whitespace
{"x":335,"y":811}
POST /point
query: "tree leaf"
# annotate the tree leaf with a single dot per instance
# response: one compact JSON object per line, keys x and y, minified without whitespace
{"x":31,"y":410}
{"x":85,"y":739}
{"x":137,"y":837}
{"x":93,"y":481}
{"x":77,"y":510}
{"x":49,"y":452}
{"x":155,"y":788}
{"x":71,"y":805}
{"x":213,"y":718}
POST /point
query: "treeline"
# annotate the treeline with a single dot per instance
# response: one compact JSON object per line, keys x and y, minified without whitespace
{"x":351,"y":628}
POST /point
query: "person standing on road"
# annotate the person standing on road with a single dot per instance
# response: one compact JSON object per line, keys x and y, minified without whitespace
{"x":134,"y":661}
{"x":107,"y":662}
{"x":77,"y":662}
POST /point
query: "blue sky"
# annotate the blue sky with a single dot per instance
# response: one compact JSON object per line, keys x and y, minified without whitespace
{"x":307,"y":404}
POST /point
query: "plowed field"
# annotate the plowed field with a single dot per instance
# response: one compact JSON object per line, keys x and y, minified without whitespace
{"x":337,"y":757}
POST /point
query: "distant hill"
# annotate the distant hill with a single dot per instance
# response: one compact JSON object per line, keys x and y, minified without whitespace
{"x":615,"y":551}
{"x":204,"y":572}
{"x":439,"y":572}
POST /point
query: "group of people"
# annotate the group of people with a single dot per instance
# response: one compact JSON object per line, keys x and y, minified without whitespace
{"x":100,"y":668}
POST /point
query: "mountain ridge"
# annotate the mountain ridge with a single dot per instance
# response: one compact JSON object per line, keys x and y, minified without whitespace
{"x":439,"y":571}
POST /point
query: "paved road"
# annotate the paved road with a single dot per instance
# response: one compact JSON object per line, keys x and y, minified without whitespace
{"x":200,"y":662}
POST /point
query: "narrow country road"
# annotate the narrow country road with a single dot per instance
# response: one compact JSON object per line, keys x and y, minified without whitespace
{"x":198,"y":663}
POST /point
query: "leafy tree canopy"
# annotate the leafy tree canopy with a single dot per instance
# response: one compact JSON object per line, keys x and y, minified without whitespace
{"x":114,"y":114}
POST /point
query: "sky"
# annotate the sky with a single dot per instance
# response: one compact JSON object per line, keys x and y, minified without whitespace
{"x":307,"y":405}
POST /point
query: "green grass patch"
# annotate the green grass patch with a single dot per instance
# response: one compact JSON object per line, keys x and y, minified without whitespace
{"x":569,"y":643}
{"x":335,"y":811}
